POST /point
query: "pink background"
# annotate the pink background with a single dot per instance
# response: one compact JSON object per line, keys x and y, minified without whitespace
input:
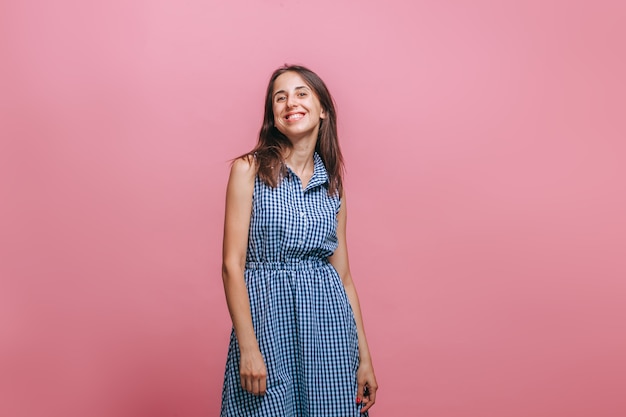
{"x":485,"y":149}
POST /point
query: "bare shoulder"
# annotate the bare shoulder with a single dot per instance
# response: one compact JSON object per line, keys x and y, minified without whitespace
{"x":244,"y":166}
{"x":243,"y":170}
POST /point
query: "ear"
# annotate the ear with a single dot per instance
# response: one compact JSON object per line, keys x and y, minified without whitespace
{"x":323,"y":114}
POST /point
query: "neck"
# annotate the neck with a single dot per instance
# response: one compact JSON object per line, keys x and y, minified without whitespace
{"x":300,"y":157}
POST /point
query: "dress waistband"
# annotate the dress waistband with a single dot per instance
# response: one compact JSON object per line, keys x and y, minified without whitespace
{"x":300,"y":265}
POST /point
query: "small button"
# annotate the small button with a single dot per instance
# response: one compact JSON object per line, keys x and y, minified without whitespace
{"x":300,"y":242}
{"x":302,"y":214}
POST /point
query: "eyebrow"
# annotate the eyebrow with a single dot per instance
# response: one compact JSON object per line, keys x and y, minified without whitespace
{"x":283,"y":91}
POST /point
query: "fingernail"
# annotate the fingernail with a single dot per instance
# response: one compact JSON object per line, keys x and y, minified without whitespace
{"x":358,"y":400}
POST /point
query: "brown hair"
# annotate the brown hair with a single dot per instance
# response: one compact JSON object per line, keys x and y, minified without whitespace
{"x":272,"y":144}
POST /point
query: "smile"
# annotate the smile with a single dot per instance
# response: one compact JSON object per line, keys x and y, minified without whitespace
{"x":294,"y":116}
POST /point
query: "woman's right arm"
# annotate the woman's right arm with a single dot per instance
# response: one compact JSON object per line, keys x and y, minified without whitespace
{"x":236,"y":224}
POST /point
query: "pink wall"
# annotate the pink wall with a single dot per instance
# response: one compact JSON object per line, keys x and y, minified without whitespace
{"x":485,"y":145}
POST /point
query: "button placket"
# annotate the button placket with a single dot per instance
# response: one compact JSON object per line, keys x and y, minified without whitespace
{"x":303,"y":220}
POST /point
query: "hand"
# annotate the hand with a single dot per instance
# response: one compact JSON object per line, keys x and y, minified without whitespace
{"x":253,"y":372}
{"x":367,"y":386}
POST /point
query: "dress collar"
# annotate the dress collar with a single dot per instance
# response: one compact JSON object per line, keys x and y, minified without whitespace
{"x":320,"y":175}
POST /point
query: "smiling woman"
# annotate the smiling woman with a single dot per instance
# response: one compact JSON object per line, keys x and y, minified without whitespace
{"x":297,"y":112}
{"x":298,"y":345}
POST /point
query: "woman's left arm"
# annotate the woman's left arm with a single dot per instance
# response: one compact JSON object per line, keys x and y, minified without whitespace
{"x":339,"y":260}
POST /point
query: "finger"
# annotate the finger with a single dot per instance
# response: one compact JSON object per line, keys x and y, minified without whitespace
{"x":245,"y":383}
{"x":263,"y":386}
{"x":364,"y":397}
{"x":255,"y":386}
{"x":248,"y":384}
{"x":359,"y":393}
{"x":371,"y":399}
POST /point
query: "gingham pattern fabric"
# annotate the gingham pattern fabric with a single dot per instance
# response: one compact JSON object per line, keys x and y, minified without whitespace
{"x":300,"y":312}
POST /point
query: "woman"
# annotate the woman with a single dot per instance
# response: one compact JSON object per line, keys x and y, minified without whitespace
{"x":298,"y":345}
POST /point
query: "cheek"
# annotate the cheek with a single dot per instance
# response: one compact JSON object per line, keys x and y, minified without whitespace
{"x":279,"y":124}
{"x":276,"y":111}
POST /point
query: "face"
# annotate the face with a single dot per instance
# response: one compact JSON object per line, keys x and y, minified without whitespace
{"x":297,"y":110}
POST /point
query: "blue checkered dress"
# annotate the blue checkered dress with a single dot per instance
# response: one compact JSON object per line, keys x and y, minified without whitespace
{"x":301,"y":315}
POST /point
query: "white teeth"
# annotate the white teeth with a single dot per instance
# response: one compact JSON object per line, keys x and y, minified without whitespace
{"x":295,"y":116}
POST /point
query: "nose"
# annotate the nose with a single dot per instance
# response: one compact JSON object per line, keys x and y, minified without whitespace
{"x":291,"y":100}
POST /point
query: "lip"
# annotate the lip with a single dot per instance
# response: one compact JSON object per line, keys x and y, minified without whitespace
{"x":291,"y":113}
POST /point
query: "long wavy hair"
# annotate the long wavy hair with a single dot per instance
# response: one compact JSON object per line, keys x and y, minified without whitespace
{"x":272,"y":144}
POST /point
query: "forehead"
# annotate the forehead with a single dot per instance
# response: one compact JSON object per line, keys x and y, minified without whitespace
{"x":289,"y":81}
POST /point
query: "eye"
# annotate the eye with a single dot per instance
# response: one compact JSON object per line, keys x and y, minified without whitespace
{"x":280,"y":98}
{"x":302,"y":94}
